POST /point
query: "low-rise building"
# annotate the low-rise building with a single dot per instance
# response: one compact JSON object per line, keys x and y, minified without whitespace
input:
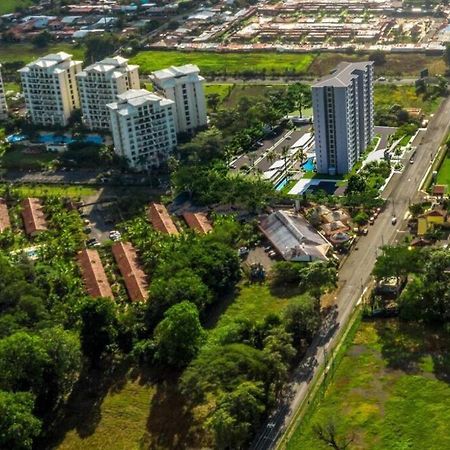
{"x":184,"y":86}
{"x":5,"y":223}
{"x":293,"y":237}
{"x":143,"y":128}
{"x":100,"y":84}
{"x":33,"y":216}
{"x":93,"y":273}
{"x":133,"y":276}
{"x":50,"y":89}
{"x":160,"y":219}
{"x":427,"y":221}
{"x":198,"y":221}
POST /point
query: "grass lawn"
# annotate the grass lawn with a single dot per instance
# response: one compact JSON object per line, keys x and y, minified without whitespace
{"x":41,"y":190}
{"x":18,"y":159}
{"x":232,"y":63}
{"x":390,"y":391}
{"x":396,"y":65}
{"x":9,"y":6}
{"x":443,"y":176}
{"x":386,"y":95}
{"x":222,"y":90}
{"x":10,"y":53}
{"x":14,"y":87}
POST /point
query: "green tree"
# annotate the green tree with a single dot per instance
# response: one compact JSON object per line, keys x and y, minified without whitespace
{"x":301,"y":95}
{"x":179,"y":335}
{"x":378,"y":57}
{"x":99,"y":46}
{"x":23,"y":363}
{"x":18,"y":425}
{"x":285,"y":273}
{"x":237,"y":415}
{"x":167,"y":291}
{"x":355,"y":184}
{"x":446,"y":54}
{"x":42,"y":40}
{"x":98,"y":328}
{"x":397,"y":262}
{"x":302,"y":321}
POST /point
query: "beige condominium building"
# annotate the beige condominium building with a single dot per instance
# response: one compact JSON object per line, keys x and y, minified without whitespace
{"x":184,"y":86}
{"x":3,"y":104}
{"x":50,"y":88}
{"x":143,"y":128}
{"x":100,"y":84}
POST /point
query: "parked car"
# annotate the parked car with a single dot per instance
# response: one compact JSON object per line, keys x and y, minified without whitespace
{"x":394,"y":220}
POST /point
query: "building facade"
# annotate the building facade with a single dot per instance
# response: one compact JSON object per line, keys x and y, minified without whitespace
{"x":50,"y":89}
{"x":3,"y":104}
{"x":185,"y":87}
{"x":100,"y":84}
{"x":343,"y":117}
{"x":143,"y":128}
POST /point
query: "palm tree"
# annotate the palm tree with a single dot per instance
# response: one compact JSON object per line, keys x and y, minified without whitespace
{"x":285,"y":154}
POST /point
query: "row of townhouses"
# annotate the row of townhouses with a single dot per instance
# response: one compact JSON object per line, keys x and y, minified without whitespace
{"x":144,"y":124}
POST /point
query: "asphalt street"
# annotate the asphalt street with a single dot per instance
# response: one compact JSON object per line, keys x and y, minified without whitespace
{"x":355,"y":274}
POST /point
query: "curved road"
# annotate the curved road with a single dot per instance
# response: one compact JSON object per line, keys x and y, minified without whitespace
{"x":355,"y":273}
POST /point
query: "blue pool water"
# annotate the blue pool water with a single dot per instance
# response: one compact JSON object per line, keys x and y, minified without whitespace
{"x":309,"y":165}
{"x":281,"y":184}
{"x":52,"y":138}
{"x":328,"y":186}
{"x":15,"y":138}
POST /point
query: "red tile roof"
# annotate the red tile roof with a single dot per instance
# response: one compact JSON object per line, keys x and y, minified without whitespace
{"x":160,"y":219}
{"x":439,"y":189}
{"x":33,"y":216}
{"x":133,"y":276}
{"x":197,"y":221}
{"x":94,"y":276}
{"x":4,"y":216}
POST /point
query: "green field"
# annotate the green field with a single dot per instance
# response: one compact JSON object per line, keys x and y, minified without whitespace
{"x":139,"y":411}
{"x":390,"y":391}
{"x":386,"y":95}
{"x":49,"y":190}
{"x":9,"y":6}
{"x":443,"y":176}
{"x":10,"y":53}
{"x":231,"y":63}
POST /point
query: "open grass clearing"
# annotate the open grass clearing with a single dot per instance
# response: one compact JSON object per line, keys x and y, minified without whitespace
{"x":230,"y":63}
{"x":443,"y":176}
{"x":25,"y":53}
{"x":222,"y":90}
{"x":21,"y":159}
{"x":9,"y":6}
{"x":49,"y":190}
{"x":386,"y":95}
{"x":391,"y":390}
{"x":397,"y":64}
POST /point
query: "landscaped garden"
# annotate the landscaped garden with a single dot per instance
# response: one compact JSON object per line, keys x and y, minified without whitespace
{"x":443,"y":176}
{"x":389,"y":392}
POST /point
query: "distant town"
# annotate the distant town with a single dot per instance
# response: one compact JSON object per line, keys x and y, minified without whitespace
{"x":224,"y":224}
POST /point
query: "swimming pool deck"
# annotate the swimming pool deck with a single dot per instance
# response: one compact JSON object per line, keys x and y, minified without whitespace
{"x":305,"y":183}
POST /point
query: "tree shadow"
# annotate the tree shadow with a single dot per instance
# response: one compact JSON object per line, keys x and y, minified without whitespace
{"x":214,"y":312}
{"x":404,"y":345}
{"x":82,"y":411}
{"x":170,"y":423}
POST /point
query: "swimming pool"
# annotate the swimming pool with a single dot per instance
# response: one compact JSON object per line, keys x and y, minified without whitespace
{"x":309,"y":165}
{"x":281,"y":184}
{"x":13,"y":138}
{"x":52,"y":138}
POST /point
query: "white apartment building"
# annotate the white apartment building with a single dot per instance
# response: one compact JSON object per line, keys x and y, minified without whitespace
{"x":184,"y":86}
{"x":343,"y":116}
{"x":3,"y":104}
{"x":100,"y":84}
{"x":50,"y":88}
{"x":143,"y":128}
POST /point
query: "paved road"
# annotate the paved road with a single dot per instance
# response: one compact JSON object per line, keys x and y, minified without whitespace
{"x":355,"y":273}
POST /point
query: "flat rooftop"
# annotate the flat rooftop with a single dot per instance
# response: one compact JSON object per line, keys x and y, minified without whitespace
{"x":343,"y":74}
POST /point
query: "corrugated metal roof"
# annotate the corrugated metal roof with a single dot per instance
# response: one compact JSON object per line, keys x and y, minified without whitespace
{"x":294,"y":237}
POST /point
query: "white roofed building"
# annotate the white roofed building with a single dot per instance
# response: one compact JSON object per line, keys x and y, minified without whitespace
{"x":184,"y":86}
{"x":100,"y":84}
{"x":50,"y":88}
{"x":293,"y":237}
{"x":143,"y":128}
